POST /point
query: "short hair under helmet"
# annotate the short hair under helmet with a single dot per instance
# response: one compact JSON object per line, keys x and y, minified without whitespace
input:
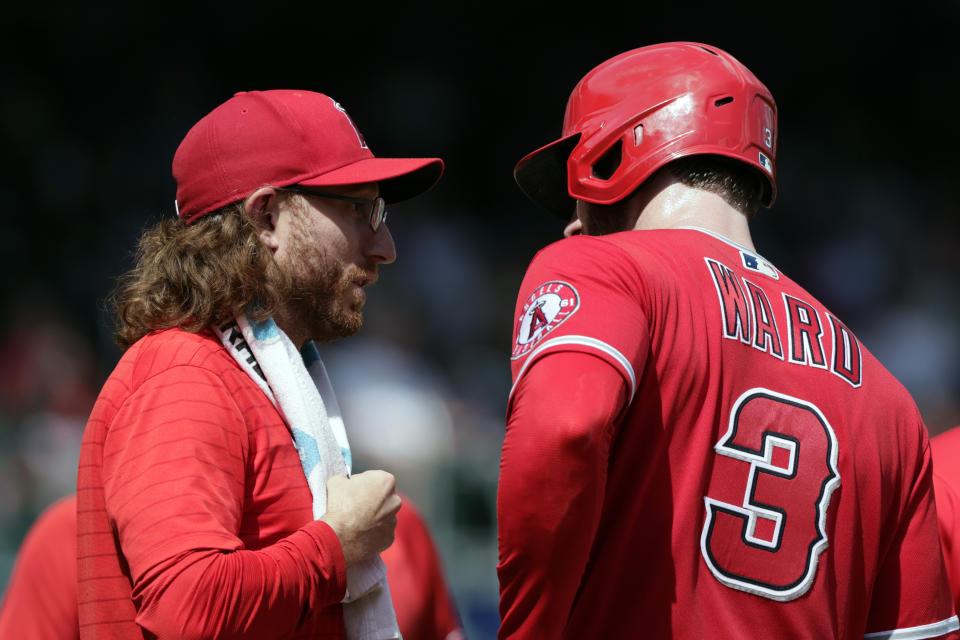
{"x":636,"y":112}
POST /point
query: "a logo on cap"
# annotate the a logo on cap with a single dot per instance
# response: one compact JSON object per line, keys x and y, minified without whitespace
{"x":363,"y":143}
{"x":766,"y":164}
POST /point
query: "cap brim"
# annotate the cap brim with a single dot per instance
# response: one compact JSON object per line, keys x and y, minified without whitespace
{"x":542,"y":176}
{"x":399,"y":178}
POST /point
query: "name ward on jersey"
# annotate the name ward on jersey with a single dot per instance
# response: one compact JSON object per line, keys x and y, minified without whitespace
{"x":748,"y":317}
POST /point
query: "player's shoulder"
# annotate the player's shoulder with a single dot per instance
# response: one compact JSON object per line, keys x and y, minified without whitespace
{"x":160,"y":351}
{"x":945,"y":446}
{"x":945,"y":451}
{"x":179,"y":345}
{"x":641,"y":245}
{"x":574,"y":244}
{"x":63,"y":510}
{"x":57,"y":522}
{"x":589,"y":253}
{"x":650,"y":256}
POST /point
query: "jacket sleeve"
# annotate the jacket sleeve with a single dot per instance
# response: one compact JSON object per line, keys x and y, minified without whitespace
{"x":175,"y":464}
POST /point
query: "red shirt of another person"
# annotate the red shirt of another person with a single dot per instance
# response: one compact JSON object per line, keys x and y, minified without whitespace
{"x":41,"y":598}
{"x":425,"y":610}
{"x":946,"y":487}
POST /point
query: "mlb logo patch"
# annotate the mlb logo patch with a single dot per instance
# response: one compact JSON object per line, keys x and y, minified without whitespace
{"x":765,"y":163}
{"x":546,"y":309}
{"x":758,"y":264}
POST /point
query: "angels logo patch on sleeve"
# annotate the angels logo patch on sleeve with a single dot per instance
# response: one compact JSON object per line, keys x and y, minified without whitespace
{"x":546,"y":309}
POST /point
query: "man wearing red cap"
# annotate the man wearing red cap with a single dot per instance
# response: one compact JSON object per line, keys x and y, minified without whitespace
{"x":214,"y":495}
{"x":696,"y":447}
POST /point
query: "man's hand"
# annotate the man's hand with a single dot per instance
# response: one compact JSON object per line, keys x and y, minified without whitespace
{"x":362,"y":511}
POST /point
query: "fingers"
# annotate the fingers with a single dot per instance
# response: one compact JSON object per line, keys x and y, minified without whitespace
{"x":394,"y":503}
{"x":378,"y":477}
{"x":383,"y":485}
{"x":362,"y":510}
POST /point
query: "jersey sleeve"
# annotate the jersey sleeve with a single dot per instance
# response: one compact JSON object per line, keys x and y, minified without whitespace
{"x":551,"y":488}
{"x":911,"y":597}
{"x":174,"y":464}
{"x":582,"y":294}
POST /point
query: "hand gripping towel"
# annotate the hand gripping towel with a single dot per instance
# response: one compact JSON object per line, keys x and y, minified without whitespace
{"x":297,"y":384}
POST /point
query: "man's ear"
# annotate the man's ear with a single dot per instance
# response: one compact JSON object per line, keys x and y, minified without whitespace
{"x":263,"y":208}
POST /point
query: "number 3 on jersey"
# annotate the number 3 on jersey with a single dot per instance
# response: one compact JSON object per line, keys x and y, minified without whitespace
{"x":769,"y":544}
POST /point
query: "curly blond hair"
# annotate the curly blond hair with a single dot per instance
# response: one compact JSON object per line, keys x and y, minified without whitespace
{"x":196,"y":276}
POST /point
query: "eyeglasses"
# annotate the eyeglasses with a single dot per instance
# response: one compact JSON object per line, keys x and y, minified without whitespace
{"x":374,"y":210}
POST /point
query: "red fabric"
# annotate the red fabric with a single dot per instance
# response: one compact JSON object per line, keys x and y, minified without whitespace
{"x":548,"y":520}
{"x":624,"y":506}
{"x":425,"y":609}
{"x":283,"y":137}
{"x":41,"y":598}
{"x":946,"y":487}
{"x":194,"y":516}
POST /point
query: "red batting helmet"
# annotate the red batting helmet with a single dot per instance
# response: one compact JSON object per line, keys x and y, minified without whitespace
{"x":636,"y":112}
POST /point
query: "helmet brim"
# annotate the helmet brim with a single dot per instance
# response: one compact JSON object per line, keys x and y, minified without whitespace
{"x":542,"y":176}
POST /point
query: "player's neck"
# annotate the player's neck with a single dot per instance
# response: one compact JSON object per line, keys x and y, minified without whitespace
{"x":677,"y":205}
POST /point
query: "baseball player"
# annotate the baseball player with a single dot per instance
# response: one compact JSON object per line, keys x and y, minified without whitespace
{"x":695,"y":446}
{"x":213,"y":497}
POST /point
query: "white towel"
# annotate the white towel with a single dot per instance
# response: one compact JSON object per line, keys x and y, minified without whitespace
{"x":298,"y":386}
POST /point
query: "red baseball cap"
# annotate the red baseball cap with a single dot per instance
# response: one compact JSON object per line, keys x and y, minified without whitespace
{"x":283,"y":137}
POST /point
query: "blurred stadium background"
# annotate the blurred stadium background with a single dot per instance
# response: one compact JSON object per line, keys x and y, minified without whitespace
{"x":95,"y":99}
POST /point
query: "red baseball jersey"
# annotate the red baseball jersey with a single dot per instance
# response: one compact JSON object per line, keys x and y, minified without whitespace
{"x":750,"y":470}
{"x":41,"y":598}
{"x":946,"y":487}
{"x":421,"y":598}
{"x":194,"y":516}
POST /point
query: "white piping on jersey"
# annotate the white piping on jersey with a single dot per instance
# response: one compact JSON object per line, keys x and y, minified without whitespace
{"x":922,"y":632}
{"x":724,"y":239}
{"x":585,"y":341}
